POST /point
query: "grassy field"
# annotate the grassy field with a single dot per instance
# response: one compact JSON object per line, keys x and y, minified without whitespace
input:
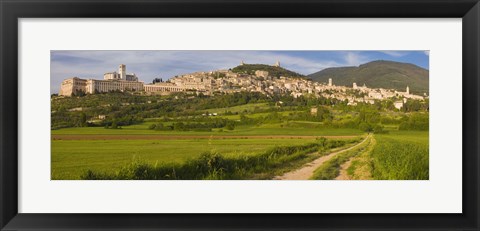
{"x":266,"y":143}
{"x":401,"y":156}
{"x":214,"y":165}
{"x":395,"y":155}
{"x":265,"y":129}
{"x":73,"y":157}
{"x":241,"y":108}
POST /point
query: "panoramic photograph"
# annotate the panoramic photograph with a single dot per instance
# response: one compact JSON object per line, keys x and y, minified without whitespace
{"x":239,"y":115}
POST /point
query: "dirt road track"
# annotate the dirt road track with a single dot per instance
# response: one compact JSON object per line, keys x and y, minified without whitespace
{"x":307,"y":170}
{"x":343,"y":171}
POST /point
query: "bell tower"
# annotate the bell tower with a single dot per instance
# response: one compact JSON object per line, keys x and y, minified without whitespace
{"x":122,"y":71}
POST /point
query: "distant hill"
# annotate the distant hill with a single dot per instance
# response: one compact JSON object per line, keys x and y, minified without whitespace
{"x":378,"y":74}
{"x":272,"y":70}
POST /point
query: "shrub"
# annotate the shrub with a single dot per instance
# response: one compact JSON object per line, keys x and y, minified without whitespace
{"x":379,"y":129}
{"x":365,"y":127}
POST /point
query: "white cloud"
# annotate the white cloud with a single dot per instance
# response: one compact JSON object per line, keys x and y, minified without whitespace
{"x":354,"y":59}
{"x":396,"y":53}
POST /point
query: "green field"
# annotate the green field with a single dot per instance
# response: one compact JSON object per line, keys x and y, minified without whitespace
{"x":395,"y":155}
{"x":241,"y":108}
{"x":265,"y":129}
{"x":119,"y":147}
{"x":73,"y":157}
{"x":401,"y":156}
{"x":170,"y":138}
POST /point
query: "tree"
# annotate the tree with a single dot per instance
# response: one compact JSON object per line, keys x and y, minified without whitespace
{"x":157,"y":80}
{"x":114,"y":125}
{"x":365,"y":127}
{"x":179,"y":126}
{"x":230,"y":125}
{"x":159,"y":127}
{"x":378,"y":129}
{"x":417,"y":121}
{"x":83,"y":119}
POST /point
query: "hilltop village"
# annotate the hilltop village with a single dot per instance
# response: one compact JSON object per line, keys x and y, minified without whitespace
{"x":228,"y":81}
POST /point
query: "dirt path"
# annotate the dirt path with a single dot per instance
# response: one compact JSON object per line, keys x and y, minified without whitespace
{"x":306,"y":171}
{"x":343,"y":170}
{"x":360,"y":173}
{"x":182,"y":137}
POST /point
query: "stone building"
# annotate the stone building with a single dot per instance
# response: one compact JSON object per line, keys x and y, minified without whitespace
{"x":261,"y":73}
{"x":72,"y":85}
{"x":398,"y":104}
{"x":98,"y":86}
{"x":162,"y":87}
{"x":121,"y":75}
{"x":112,"y":81}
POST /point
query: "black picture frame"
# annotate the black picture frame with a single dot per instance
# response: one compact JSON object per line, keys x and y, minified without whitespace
{"x":12,"y":10}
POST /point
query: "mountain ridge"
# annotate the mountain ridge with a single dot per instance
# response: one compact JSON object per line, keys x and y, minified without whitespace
{"x":378,"y":74}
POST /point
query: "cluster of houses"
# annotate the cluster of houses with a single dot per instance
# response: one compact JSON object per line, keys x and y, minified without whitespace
{"x":226,"y":81}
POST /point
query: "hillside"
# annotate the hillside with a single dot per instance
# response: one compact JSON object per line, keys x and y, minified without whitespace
{"x":272,"y":70}
{"x":378,"y":74}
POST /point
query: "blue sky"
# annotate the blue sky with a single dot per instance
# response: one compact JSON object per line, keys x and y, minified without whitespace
{"x":165,"y":64}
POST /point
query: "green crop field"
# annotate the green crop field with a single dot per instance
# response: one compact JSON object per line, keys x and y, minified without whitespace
{"x":265,"y":129}
{"x":267,"y":162}
{"x":401,"y":156}
{"x":394,"y":155}
{"x":71,"y":158}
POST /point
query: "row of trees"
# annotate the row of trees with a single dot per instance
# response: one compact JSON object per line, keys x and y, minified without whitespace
{"x":181,"y":126}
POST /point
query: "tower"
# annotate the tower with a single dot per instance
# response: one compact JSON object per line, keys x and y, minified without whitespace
{"x":242,"y":63}
{"x":408,"y":90}
{"x":122,"y":71}
{"x":354,"y":85}
{"x":277,"y":64}
{"x":330,"y":82}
